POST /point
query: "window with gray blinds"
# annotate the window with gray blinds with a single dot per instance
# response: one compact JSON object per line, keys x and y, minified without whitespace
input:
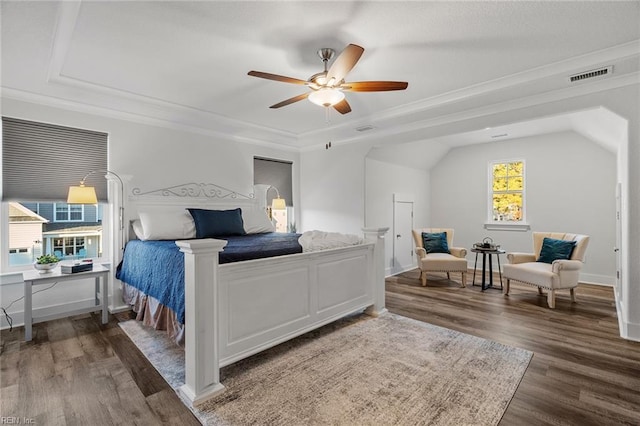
{"x":276,"y":173}
{"x":40,"y":161}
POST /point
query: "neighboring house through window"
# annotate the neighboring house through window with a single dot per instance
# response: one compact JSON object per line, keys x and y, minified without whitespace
{"x":507,"y":192}
{"x":35,"y":218}
{"x":25,"y":234}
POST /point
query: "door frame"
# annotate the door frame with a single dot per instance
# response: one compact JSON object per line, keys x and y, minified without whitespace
{"x":409,"y":199}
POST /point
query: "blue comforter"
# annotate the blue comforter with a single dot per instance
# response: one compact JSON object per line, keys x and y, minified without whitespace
{"x":157,"y":267}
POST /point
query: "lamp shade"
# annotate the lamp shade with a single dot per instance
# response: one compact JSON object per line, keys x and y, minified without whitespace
{"x":278,"y":204}
{"x":82,"y":195}
{"x":326,"y":97}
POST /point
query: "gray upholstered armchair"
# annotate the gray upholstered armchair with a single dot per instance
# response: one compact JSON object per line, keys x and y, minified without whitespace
{"x":541,"y":270}
{"x":454,"y":261}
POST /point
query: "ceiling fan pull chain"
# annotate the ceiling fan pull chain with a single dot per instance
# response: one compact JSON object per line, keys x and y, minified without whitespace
{"x":328,"y":122}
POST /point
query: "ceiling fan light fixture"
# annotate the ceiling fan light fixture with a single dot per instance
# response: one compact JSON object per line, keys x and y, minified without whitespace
{"x":326,"y":97}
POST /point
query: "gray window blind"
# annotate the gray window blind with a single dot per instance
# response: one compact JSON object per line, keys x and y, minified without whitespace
{"x":276,"y":173}
{"x":40,"y":161}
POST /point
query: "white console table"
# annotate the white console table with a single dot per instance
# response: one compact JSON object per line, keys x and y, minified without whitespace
{"x":34,"y":278}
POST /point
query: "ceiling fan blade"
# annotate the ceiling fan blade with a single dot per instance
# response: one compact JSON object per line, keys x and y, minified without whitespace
{"x":343,"y":107}
{"x":290,"y":100}
{"x":344,"y":63}
{"x":374,"y":86}
{"x":276,"y":77}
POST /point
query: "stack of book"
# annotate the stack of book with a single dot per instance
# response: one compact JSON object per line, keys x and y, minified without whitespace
{"x":82,"y":266}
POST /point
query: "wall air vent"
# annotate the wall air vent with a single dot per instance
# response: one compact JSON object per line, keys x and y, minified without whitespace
{"x":501,"y":135}
{"x":364,"y":128}
{"x":590,"y":74}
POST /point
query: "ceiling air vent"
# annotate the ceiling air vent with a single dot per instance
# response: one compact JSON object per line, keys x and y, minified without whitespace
{"x":501,"y":135}
{"x":364,"y":128}
{"x":590,"y":74}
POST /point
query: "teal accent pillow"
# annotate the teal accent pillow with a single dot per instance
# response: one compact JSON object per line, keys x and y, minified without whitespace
{"x":553,"y":249}
{"x":435,"y":242}
{"x":217,"y":223}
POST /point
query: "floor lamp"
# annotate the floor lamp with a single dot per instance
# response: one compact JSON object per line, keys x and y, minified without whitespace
{"x":87,"y":195}
{"x":278,"y":211}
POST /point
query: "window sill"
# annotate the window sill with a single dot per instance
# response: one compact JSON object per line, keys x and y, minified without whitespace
{"x":498,"y":226}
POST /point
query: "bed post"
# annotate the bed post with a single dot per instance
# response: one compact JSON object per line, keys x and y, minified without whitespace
{"x":376,"y":235}
{"x":201,"y":356}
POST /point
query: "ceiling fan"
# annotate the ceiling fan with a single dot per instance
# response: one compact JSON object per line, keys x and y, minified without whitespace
{"x":328,"y":87}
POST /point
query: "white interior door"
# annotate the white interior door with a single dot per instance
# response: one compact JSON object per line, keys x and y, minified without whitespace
{"x":403,"y":258}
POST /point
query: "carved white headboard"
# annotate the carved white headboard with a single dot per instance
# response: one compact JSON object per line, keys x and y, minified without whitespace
{"x":194,"y":195}
{"x":199,"y":195}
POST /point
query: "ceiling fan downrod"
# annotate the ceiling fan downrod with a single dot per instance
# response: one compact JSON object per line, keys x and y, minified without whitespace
{"x":326,"y":54}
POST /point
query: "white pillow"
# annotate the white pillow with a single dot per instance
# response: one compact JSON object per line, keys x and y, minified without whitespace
{"x":256,"y":221}
{"x":137,"y":228}
{"x":166,"y":226}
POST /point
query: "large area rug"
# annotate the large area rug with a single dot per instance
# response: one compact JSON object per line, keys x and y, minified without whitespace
{"x":360,"y":370}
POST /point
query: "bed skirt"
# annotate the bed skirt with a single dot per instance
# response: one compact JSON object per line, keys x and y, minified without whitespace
{"x":154,"y":314}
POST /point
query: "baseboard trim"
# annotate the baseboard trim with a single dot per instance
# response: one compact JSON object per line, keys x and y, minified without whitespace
{"x":595,"y":283}
{"x":389,"y":272}
{"x":604,"y":280}
{"x":633,"y":332}
{"x":628,"y":330}
{"x":47,"y":311}
{"x":120,"y":308}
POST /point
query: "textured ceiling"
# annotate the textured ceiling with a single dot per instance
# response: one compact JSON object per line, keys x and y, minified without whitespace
{"x":186,"y":62}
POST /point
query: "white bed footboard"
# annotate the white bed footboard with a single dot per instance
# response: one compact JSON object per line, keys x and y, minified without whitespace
{"x":268,"y":301}
{"x":238,"y":309}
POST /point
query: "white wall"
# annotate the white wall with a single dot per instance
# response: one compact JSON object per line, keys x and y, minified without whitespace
{"x":332,"y":183}
{"x":148,"y":157}
{"x":570,"y":187}
{"x":382,"y":181}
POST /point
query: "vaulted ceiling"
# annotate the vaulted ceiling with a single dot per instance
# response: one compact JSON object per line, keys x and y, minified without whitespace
{"x":185,"y":63}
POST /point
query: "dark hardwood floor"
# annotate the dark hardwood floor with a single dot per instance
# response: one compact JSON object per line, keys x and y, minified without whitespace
{"x":77,"y":371}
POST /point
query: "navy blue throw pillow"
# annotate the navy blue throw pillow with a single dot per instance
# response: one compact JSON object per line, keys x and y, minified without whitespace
{"x":435,"y":242}
{"x":553,"y":249}
{"x":217,"y":223}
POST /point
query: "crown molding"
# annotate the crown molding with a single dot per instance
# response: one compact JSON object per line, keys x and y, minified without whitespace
{"x":395,"y":133}
{"x":70,"y":105}
{"x":145,"y":106}
{"x":567,"y":66}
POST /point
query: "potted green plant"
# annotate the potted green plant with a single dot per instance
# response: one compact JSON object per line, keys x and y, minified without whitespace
{"x":46,"y":263}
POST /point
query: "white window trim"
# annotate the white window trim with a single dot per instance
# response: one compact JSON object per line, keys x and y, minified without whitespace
{"x":494,"y":225}
{"x":4,"y":241}
{"x":55,"y":213}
